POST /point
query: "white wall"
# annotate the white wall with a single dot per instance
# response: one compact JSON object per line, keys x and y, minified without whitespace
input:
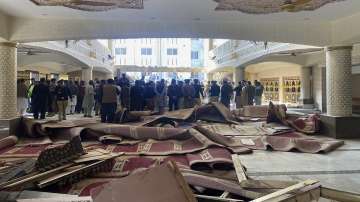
{"x":159,"y":56}
{"x":3,"y":27}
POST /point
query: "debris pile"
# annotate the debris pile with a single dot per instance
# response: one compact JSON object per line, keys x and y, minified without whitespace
{"x":185,"y":155}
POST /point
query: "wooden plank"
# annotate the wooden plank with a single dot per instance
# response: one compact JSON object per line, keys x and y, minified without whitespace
{"x":240,"y":171}
{"x":306,"y":194}
{"x":225,"y":194}
{"x":70,"y":172}
{"x":215,"y":198}
{"x":86,"y":158}
{"x":20,"y":170}
{"x":266,"y":184}
{"x":272,"y":196}
{"x":33,"y":177}
{"x":338,"y":195}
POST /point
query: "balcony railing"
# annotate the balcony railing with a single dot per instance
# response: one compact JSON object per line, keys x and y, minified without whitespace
{"x":234,"y":50}
{"x":89,"y":48}
{"x":234,"y":53}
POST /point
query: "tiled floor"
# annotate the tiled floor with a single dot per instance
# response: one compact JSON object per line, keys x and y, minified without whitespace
{"x":338,"y":169}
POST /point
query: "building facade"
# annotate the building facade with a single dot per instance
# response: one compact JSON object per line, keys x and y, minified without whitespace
{"x":161,"y":52}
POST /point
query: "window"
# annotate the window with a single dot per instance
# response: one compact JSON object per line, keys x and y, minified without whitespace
{"x":194,"y":55}
{"x":172,"y":51}
{"x":120,"y":51}
{"x":146,"y":51}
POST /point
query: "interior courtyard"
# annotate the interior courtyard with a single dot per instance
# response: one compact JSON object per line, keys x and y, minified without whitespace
{"x":298,"y":140}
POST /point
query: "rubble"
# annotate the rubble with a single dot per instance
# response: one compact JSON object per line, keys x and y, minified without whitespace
{"x":185,"y":155}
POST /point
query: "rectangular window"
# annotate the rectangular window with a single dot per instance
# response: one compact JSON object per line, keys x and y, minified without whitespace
{"x":194,"y":55}
{"x":146,"y":51}
{"x":120,"y":51}
{"x":172,"y":51}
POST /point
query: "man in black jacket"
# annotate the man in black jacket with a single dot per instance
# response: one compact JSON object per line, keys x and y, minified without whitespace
{"x":251,"y":93}
{"x":226,"y":93}
{"x":137,"y":97}
{"x":214,"y":91}
{"x":238,"y":90}
{"x":173,"y":92}
{"x":40,"y":98}
{"x":62,"y":95}
{"x":198,"y":91}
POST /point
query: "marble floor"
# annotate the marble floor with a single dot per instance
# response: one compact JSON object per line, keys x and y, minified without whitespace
{"x":339,"y":169}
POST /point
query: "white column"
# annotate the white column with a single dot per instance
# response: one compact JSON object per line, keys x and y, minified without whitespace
{"x":8,"y":76}
{"x":305,"y":78}
{"x":338,"y":81}
{"x":239,"y":74}
{"x":87,"y":74}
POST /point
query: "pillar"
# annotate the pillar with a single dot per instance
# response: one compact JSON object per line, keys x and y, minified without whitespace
{"x":9,"y":120}
{"x":87,"y":74}
{"x":305,"y":79}
{"x":338,"y":81}
{"x":8,"y":76}
{"x":239,"y":74}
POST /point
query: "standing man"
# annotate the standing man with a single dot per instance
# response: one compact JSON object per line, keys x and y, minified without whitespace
{"x":29,"y":93}
{"x":80,"y":97}
{"x":181,"y":95}
{"x":40,"y":98}
{"x":62,"y":96}
{"x":22,"y":101}
{"x":124,"y":84}
{"x":160,"y":91}
{"x":97,"y":97}
{"x":189,"y":93}
{"x":198,"y":91}
{"x":238,"y":90}
{"x":137,"y":96}
{"x":52,"y":100}
{"x":244,"y":94}
{"x":173,"y":93}
{"x":109,"y":101}
{"x":251,"y":93}
{"x":259,"y":89}
{"x":226,"y":93}
{"x":214,"y":92}
{"x":89,"y":99}
{"x":149,"y":95}
{"x":74,"y":90}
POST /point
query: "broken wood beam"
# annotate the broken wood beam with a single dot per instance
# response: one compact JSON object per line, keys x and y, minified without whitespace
{"x":240,"y":171}
{"x":273,"y":196}
{"x":77,"y":173}
{"x":33,"y":177}
{"x":225,"y":194}
{"x":266,"y":184}
{"x":215,"y":199}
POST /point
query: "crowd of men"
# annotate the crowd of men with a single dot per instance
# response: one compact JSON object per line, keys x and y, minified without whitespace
{"x":106,"y":96}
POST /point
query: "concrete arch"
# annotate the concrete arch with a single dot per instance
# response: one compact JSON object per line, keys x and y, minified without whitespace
{"x":63,"y":57}
{"x":50,"y":61}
